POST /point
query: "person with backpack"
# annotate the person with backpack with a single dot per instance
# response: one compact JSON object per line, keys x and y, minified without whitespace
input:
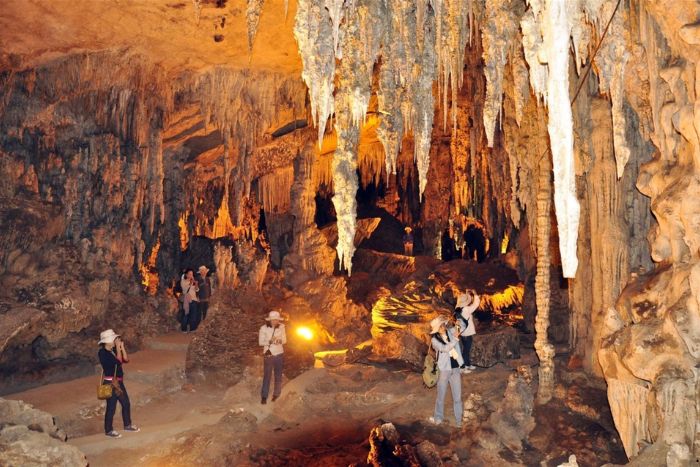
{"x":467,"y":304}
{"x":445,"y":342}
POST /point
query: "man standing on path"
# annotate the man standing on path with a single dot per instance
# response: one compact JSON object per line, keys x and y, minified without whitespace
{"x":204,"y":283}
{"x":271,"y":338}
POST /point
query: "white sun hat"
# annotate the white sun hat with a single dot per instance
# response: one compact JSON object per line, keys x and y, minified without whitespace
{"x":274,"y":314}
{"x":435,"y":324}
{"x":107,"y":337}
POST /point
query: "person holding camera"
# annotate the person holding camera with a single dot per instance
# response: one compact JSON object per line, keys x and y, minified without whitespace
{"x":446,"y":344}
{"x":271,"y":338}
{"x":112,"y":354}
{"x":190,"y":301}
{"x":467,"y":304}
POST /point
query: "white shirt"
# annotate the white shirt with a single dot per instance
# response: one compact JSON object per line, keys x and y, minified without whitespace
{"x":272,"y":338}
{"x":467,"y":311}
{"x":189,"y":291}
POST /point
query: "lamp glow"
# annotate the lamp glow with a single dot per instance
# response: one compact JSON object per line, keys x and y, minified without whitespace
{"x":305,"y":333}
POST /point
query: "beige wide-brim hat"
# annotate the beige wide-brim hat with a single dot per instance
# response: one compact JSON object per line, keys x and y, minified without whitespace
{"x":203,"y":267}
{"x":435,"y":324}
{"x":107,"y":337}
{"x":274,"y":314}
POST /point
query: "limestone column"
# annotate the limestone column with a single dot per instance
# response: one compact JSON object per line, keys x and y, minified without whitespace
{"x":545,"y":350}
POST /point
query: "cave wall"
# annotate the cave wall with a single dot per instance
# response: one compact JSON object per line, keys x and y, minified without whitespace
{"x":115,"y":165}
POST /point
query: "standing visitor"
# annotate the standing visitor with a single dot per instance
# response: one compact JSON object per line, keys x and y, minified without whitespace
{"x":408,"y":242}
{"x":190,"y":304}
{"x":204,"y":285}
{"x":446,"y":345}
{"x":112,"y":354}
{"x":467,"y":304}
{"x":271,"y":338}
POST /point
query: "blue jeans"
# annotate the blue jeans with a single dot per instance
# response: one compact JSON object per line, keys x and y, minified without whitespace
{"x":276,"y":363}
{"x":112,"y":407}
{"x":454,"y":379}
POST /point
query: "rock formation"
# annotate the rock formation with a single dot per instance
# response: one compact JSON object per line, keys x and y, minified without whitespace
{"x":30,"y":437}
{"x":127,"y":144}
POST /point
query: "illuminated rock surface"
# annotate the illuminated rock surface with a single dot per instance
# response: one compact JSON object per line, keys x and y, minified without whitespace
{"x":138,"y":138}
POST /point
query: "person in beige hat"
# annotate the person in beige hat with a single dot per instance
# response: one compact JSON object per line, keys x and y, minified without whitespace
{"x":446,"y":344}
{"x":112,"y":354}
{"x":271,"y":338}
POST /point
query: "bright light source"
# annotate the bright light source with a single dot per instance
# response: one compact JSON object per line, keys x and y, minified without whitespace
{"x":305,"y":333}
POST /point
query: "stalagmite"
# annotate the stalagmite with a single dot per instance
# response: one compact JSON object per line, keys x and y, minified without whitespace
{"x":556,"y":28}
{"x":545,"y":350}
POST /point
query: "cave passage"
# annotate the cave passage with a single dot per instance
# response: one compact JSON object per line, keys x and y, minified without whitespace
{"x":333,"y":195}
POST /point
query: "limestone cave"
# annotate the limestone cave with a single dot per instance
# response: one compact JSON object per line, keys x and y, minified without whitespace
{"x":288,"y":227}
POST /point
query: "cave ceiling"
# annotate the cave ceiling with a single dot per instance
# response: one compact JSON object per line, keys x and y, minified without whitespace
{"x":169,"y":32}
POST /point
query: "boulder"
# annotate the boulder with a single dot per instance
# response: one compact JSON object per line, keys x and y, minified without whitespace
{"x":400,"y":345}
{"x":386,"y":449}
{"x":20,"y":445}
{"x":513,"y":421}
{"x":30,"y":437}
{"x":495,"y":345}
{"x":14,"y":412}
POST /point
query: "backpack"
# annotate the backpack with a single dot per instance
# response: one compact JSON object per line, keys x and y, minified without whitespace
{"x":430,"y":371}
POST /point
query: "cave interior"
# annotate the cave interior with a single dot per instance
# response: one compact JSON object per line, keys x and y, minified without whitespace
{"x":544,"y":153}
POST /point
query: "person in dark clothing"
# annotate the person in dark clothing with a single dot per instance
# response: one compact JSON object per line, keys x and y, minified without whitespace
{"x":112,"y":354}
{"x":408,"y":242}
{"x":448,"y":247}
{"x":204,"y":293}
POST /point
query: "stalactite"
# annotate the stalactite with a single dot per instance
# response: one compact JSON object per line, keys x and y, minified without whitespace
{"x":545,"y":350}
{"x":274,"y":189}
{"x":611,"y":62}
{"x":317,"y":42}
{"x":498,"y":31}
{"x":555,"y":51}
{"x":345,"y":182}
{"x":253,"y":11}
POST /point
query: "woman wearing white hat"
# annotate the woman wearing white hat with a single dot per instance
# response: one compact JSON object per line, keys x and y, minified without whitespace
{"x":467,"y":304}
{"x":112,"y":354}
{"x":271,"y":338}
{"x":446,"y":344}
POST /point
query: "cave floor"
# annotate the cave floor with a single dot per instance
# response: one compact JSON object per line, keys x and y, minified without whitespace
{"x":322,"y":418}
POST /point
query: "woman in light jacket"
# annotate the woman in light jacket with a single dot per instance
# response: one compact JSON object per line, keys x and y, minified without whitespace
{"x":467,"y":304}
{"x":446,"y":344}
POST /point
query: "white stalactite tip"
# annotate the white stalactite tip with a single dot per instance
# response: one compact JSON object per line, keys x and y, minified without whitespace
{"x":556,"y":29}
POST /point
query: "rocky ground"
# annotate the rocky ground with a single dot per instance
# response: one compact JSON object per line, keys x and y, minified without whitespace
{"x":325,"y":416}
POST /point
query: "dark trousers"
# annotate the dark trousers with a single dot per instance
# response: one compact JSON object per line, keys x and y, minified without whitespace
{"x":465,"y":342}
{"x":123,"y":399}
{"x":203,"y":308}
{"x":276,"y":363}
{"x":191,"y":319}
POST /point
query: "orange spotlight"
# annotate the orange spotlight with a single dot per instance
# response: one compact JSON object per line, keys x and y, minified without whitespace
{"x":305,"y":333}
